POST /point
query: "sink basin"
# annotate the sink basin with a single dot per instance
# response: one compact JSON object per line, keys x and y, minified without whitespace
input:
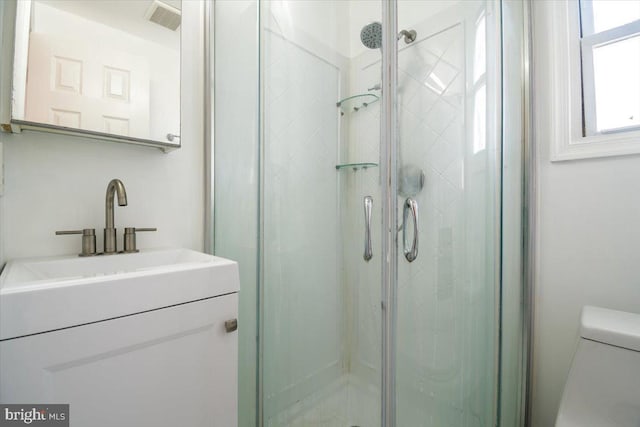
{"x":33,"y":272}
{"x":44,"y":294}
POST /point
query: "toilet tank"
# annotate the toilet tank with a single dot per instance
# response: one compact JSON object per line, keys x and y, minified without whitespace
{"x":603,"y":387}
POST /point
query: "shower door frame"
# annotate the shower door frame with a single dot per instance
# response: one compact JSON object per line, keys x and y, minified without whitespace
{"x":389,"y":251}
{"x":389,"y":145}
{"x":389,"y":179}
{"x":524,"y":213}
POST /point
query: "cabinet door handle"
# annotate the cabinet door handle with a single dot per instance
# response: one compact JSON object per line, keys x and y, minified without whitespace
{"x":368,"y":251}
{"x":410,"y":207}
{"x":231,"y":325}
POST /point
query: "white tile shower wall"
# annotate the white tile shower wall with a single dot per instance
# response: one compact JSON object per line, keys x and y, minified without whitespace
{"x":410,"y":14}
{"x":303,"y":304}
{"x":363,"y":278}
{"x":55,"y":182}
{"x":444,"y":368}
{"x":319,"y":26}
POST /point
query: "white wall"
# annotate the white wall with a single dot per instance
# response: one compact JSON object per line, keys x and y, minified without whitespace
{"x":588,"y":242}
{"x":55,"y":182}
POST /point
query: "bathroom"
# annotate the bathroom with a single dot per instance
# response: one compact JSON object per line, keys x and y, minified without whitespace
{"x":320,"y":212}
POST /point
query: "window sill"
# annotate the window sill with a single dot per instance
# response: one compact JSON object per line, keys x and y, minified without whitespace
{"x":607,"y":145}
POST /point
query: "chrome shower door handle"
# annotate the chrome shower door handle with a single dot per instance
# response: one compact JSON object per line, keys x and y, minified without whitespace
{"x":410,"y":206}
{"x":368,"y":204}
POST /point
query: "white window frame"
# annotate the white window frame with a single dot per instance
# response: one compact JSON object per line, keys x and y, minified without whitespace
{"x":588,"y":43}
{"x":568,"y":141}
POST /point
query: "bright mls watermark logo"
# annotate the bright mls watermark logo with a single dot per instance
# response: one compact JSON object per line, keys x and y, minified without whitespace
{"x":34,"y":415}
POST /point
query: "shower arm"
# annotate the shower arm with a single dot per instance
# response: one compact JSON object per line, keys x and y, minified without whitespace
{"x":409,"y":36}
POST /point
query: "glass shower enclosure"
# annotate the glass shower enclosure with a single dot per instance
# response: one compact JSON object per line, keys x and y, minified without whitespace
{"x":375,"y":208}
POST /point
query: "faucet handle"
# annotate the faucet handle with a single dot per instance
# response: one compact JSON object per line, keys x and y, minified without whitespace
{"x":88,"y":240}
{"x":130,"y":238}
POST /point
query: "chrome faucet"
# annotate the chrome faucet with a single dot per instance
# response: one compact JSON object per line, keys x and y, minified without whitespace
{"x":115,"y":186}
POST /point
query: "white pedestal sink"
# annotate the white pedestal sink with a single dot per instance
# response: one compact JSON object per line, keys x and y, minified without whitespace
{"x":122,"y":338}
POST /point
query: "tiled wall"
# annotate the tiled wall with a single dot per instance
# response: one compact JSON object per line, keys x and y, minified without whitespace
{"x":445,"y":298}
{"x":302,"y":298}
{"x":322,"y":300}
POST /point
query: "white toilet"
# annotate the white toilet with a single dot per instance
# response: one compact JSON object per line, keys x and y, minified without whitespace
{"x":603,"y":388}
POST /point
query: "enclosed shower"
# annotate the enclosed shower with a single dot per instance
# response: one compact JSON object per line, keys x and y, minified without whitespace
{"x":370,"y":172}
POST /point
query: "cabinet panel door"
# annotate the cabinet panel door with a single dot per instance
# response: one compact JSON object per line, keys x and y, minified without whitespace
{"x":171,"y":367}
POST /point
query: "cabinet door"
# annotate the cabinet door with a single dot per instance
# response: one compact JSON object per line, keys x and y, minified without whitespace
{"x":170,"y":367}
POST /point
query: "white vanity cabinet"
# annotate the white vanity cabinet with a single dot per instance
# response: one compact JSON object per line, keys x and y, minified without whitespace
{"x":161,"y":365}
{"x":170,"y":367}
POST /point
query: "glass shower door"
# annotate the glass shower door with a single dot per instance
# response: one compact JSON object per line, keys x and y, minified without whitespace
{"x":447,"y":199}
{"x":366,"y":212}
{"x":319,"y":291}
{"x":336,"y":347}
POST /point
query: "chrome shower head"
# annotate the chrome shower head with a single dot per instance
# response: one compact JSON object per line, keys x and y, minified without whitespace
{"x":371,"y":35}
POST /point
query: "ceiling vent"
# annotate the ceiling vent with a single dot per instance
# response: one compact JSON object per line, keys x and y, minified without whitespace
{"x":165,"y":15}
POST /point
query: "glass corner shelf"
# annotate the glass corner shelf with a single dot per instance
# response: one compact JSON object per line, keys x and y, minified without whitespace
{"x":356,"y":102}
{"x":355,"y":166}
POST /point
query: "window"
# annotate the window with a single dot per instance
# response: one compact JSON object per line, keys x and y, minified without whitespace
{"x":610,"y":58}
{"x":587,"y":77}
